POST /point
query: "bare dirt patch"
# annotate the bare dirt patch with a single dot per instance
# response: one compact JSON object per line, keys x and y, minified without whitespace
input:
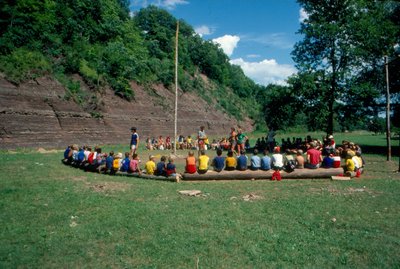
{"x":103,"y":187}
{"x":45,"y":151}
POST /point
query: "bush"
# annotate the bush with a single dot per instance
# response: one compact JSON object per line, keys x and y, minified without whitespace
{"x":23,"y":64}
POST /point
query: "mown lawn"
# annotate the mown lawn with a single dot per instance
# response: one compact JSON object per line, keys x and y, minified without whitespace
{"x":60,"y":217}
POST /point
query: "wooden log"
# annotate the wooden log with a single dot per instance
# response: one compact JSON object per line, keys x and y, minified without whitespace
{"x":146,"y":176}
{"x":253,"y":175}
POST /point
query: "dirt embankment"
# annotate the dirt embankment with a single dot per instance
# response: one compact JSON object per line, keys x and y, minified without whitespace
{"x":37,"y":114}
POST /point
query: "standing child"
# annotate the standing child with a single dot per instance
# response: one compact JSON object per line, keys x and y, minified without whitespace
{"x":241,"y":140}
{"x":171,"y":169}
{"x":203,"y":163}
{"x":218,"y":161}
{"x":150,"y":166}
{"x":134,"y":141}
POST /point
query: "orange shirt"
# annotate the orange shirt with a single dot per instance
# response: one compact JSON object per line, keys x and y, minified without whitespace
{"x":190,"y":160}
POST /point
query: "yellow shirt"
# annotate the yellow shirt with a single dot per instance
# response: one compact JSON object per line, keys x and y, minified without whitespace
{"x":150,"y":167}
{"x":203,"y":162}
{"x":230,"y":162}
{"x":350,"y":165}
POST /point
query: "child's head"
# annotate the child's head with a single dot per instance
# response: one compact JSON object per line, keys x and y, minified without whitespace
{"x":134,"y":156}
{"x":299,"y":152}
{"x":151,"y":158}
{"x":126,"y":154}
{"x":202,"y":152}
{"x":230,"y":153}
{"x":219,"y":152}
{"x":111,"y":153}
{"x":266,"y":152}
{"x":119,"y":155}
{"x":98,"y":150}
{"x":243,"y":152}
{"x":191,"y":153}
{"x":170,"y":160}
{"x":163,"y":158}
{"x":133,"y":129}
{"x":277,"y":149}
{"x":255,"y":152}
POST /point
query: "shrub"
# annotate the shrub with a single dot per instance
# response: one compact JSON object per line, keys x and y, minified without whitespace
{"x":23,"y":64}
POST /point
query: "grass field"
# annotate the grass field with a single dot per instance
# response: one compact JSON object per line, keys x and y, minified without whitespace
{"x":54,"y":216}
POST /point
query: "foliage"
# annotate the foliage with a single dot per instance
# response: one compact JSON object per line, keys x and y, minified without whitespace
{"x":23,"y":64}
{"x":342,"y":40}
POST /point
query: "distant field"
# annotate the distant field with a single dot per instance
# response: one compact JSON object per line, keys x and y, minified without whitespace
{"x":59,"y":217}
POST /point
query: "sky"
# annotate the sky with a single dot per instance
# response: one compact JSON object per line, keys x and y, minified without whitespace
{"x":257,"y":35}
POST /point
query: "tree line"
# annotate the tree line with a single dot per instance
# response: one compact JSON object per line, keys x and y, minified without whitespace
{"x":339,"y":84}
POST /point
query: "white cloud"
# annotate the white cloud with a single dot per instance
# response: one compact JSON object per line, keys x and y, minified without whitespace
{"x":266,"y":71}
{"x":227,"y":42}
{"x":168,"y":4}
{"x":303,"y":15}
{"x":203,"y":30}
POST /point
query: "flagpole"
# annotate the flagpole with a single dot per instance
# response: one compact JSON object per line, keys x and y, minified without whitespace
{"x":176,"y":86}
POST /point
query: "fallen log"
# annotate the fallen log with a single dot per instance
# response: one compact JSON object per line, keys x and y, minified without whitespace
{"x":259,"y":174}
{"x":146,"y":176}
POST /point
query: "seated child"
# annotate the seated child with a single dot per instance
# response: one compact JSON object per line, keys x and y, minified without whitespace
{"x":117,"y":162}
{"x":125,"y":163}
{"x":230,"y":161}
{"x":327,"y":161}
{"x":289,"y":161}
{"x":150,"y":166}
{"x":203,"y":162}
{"x":242,"y":161}
{"x":266,"y":161}
{"x":171,"y":169}
{"x":190,"y":163}
{"x":109,"y":162}
{"x":299,"y":159}
{"x":218,"y":161}
{"x":255,"y":161}
{"x":134,"y":164}
{"x":160,"y":168}
{"x":336,"y":160}
{"x":277,"y":159}
{"x":350,"y":167}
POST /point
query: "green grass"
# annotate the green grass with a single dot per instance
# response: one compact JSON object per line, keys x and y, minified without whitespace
{"x":60,"y":217}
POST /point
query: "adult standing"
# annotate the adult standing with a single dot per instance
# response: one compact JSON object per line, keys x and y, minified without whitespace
{"x":134,"y":140}
{"x":202,"y":137}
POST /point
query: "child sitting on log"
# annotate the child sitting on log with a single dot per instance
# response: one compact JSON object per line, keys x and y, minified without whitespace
{"x":242,"y":161}
{"x":171,"y":169}
{"x":150,"y":166}
{"x":218,"y":161}
{"x":125,"y":163}
{"x":190,"y":163}
{"x":160,"y":168}
{"x":203,"y":162}
{"x":134,"y":164}
{"x":230,"y":161}
{"x":255,"y":161}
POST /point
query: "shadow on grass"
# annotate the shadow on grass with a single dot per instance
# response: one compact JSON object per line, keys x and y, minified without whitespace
{"x":372,"y":149}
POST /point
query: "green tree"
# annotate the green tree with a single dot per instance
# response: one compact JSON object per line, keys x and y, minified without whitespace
{"x":340,"y":39}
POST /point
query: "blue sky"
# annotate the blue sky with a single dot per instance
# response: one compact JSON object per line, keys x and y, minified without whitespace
{"x":258,"y":35}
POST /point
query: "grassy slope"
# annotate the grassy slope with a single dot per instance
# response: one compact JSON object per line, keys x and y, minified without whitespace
{"x":56,"y":216}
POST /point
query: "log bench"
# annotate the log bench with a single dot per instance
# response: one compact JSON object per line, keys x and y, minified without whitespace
{"x":259,"y":174}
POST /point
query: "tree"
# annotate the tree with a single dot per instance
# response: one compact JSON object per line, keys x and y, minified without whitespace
{"x":341,"y":38}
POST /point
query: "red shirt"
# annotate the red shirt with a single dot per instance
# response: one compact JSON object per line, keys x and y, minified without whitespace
{"x":315,"y":156}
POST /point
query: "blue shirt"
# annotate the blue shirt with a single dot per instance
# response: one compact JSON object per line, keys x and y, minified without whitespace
{"x":134,"y":138}
{"x":327,"y":162}
{"x":109,"y":162}
{"x":255,"y":162}
{"x":160,"y":169}
{"x":266,"y":163}
{"x":242,"y":162}
{"x":218,"y":163}
{"x":125,"y":165}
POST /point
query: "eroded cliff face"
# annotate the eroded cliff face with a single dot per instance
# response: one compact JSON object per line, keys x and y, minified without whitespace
{"x":37,"y":114}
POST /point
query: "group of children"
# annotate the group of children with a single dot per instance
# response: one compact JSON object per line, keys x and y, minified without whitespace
{"x":312,"y":154}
